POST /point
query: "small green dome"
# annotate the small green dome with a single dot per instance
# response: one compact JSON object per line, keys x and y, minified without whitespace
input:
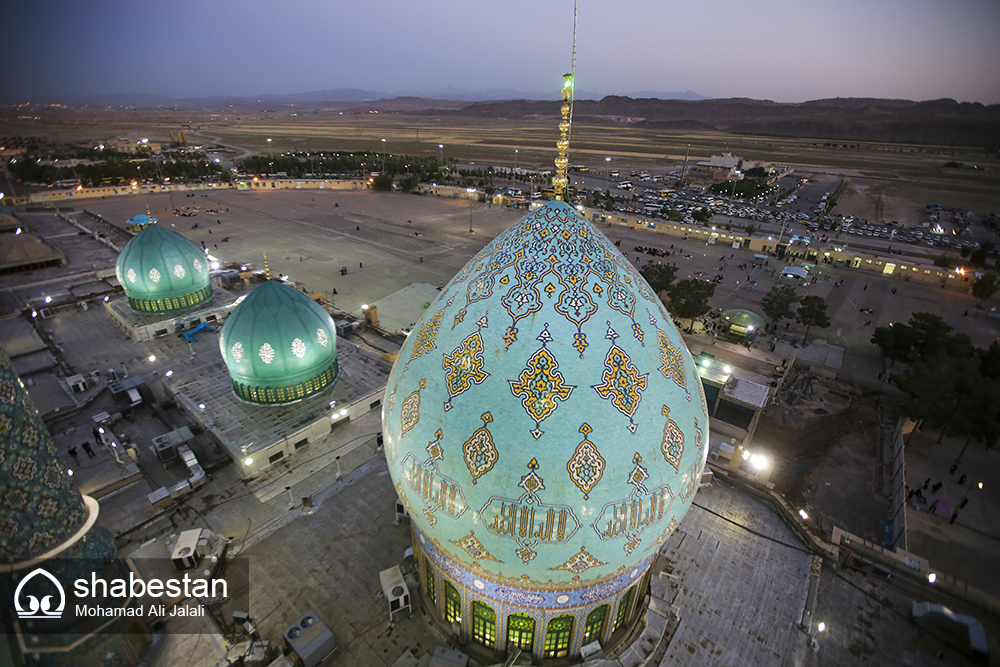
{"x":162,"y":271}
{"x":139,"y":222}
{"x":279,"y":345}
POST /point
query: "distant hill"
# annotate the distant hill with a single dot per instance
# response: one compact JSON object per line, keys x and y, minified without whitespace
{"x":844,"y":119}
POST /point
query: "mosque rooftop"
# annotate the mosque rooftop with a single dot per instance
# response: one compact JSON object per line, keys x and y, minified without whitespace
{"x":238,"y":424}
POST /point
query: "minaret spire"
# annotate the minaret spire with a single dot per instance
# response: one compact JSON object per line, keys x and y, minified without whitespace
{"x":561,"y":179}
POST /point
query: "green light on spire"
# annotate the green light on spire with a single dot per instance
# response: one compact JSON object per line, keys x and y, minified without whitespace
{"x":567,"y":80}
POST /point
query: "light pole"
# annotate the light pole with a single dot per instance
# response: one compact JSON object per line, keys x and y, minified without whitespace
{"x":515,"y":159}
{"x":608,"y":160}
{"x":441,"y":157}
{"x":471,"y":192}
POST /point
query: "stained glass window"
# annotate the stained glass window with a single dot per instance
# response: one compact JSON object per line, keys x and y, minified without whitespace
{"x":484,"y":624}
{"x":429,"y":576}
{"x":623,"y":607}
{"x":520,"y":632}
{"x":557,"y":637}
{"x":595,"y":624}
{"x":452,"y":604}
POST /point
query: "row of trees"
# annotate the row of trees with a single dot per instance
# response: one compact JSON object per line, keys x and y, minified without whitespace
{"x":114,"y":170}
{"x":948,"y":382}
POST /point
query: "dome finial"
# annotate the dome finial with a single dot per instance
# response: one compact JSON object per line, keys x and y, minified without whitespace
{"x":561,"y":180}
{"x":267,"y":271}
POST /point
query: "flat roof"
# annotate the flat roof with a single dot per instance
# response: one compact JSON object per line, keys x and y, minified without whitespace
{"x":238,"y":424}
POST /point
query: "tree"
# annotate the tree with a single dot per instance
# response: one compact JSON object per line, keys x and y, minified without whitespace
{"x":812,"y":313}
{"x":382,"y":182}
{"x":409,"y":183}
{"x":703,"y":215}
{"x":777,"y":303}
{"x":985,"y":286}
{"x":750,"y":229}
{"x":659,"y":276}
{"x":978,"y":257}
{"x":923,"y":337}
{"x":689,"y":298}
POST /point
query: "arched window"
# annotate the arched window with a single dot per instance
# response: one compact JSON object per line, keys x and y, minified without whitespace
{"x":452,"y":604}
{"x":429,"y":586}
{"x":594,"y":628}
{"x":484,"y":624}
{"x":558,"y":636}
{"x":623,"y":607}
{"x":520,"y":632}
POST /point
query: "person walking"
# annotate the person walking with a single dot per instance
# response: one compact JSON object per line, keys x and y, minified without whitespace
{"x":88,"y":450}
{"x":72,"y":454}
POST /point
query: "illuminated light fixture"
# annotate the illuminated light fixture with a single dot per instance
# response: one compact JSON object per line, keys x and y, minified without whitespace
{"x":106,"y":299}
{"x":932,"y":577}
{"x":343,"y":412}
{"x":216,"y":265}
{"x":705,"y":363}
{"x":247,"y":461}
{"x":17,"y":231}
{"x":168,"y":373}
{"x":101,"y":430}
{"x":201,"y":406}
{"x":749,"y":327}
{"x":980,"y":485}
{"x":48,"y":299}
{"x":34,"y":313}
{"x":746,"y":454}
{"x":727,"y":369}
{"x":69,"y":472}
{"x":821,"y":627}
{"x":333,"y":403}
{"x":804,"y":515}
{"x":758,"y":461}
{"x":364,"y":306}
{"x":152,"y":358}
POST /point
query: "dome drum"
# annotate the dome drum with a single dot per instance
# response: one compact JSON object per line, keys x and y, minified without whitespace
{"x":287,"y":393}
{"x":496,"y":617}
{"x":170,"y":304}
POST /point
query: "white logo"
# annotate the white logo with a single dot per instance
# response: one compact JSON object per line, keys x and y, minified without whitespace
{"x":36,"y":608}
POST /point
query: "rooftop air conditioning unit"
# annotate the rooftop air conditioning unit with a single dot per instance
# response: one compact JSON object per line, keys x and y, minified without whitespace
{"x":311,"y":640}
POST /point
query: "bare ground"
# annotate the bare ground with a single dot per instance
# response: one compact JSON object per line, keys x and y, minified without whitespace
{"x":825,"y":440}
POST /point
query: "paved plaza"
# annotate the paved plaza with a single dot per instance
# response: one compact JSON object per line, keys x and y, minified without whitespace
{"x":740,"y":576}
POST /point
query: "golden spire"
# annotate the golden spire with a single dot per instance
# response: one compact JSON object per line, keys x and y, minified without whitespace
{"x":149,"y":215}
{"x":560,"y":181}
{"x":267,"y":271}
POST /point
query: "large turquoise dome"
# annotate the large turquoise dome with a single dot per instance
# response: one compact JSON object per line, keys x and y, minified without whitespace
{"x":545,"y":425}
{"x":279,"y":345}
{"x":162,"y":271}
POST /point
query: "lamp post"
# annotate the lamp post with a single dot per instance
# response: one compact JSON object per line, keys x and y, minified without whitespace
{"x":441,"y":155}
{"x":383,"y":156}
{"x":471,"y":192}
{"x":608,"y":160}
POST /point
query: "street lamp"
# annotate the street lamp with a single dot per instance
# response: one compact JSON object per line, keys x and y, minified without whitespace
{"x":383,"y":156}
{"x":471,"y":192}
{"x":608,"y":160}
{"x":515,"y":159}
{"x":441,"y":158}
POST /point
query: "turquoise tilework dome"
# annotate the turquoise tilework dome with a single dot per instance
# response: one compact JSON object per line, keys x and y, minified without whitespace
{"x":162,"y":271}
{"x":40,"y":506}
{"x":545,"y":425}
{"x":279,"y":345}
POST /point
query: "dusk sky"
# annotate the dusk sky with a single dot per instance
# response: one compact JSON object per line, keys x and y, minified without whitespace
{"x":783,"y":50}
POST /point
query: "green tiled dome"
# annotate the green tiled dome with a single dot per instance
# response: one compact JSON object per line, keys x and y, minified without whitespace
{"x":40,"y":506}
{"x":279,"y":345}
{"x":162,"y":271}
